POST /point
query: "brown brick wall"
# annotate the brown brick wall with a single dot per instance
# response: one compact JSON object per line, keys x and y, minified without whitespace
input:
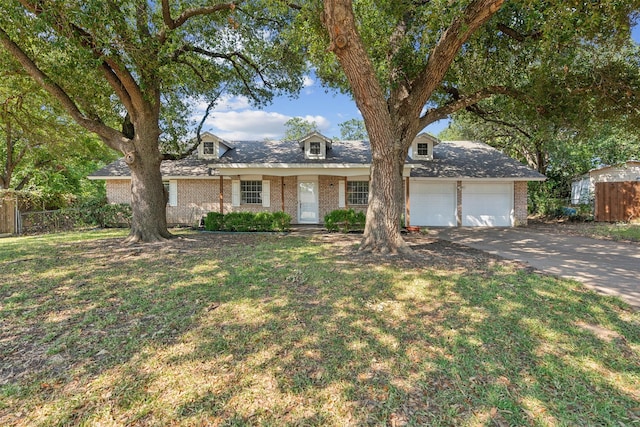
{"x":520,"y":203}
{"x":291,"y":197}
{"x":275,"y":190}
{"x":196,"y":197}
{"x":328,"y":194}
{"x":118,"y":190}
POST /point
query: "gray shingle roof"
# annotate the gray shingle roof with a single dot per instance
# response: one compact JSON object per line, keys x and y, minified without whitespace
{"x":452,"y":159}
{"x":291,"y":152}
{"x":470,"y":159}
{"x":190,"y":166}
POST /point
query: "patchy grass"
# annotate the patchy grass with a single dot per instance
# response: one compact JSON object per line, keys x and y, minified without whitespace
{"x":222,"y":329}
{"x":621,"y":231}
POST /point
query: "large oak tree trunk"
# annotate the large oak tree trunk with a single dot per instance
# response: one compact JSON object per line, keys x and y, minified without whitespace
{"x":148,"y":198}
{"x":382,"y":229}
{"x":386,"y":203}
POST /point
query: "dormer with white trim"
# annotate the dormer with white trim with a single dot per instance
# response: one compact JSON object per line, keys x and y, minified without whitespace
{"x":315,"y":146}
{"x":212,"y":147}
{"x":422,"y":147}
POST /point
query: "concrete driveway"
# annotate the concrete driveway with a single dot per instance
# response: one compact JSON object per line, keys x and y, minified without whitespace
{"x":609,"y":267}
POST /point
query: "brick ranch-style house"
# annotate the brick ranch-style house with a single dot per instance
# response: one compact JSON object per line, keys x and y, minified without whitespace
{"x":446,"y":183}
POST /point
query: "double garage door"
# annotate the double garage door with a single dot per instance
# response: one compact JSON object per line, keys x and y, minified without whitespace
{"x":483,"y":204}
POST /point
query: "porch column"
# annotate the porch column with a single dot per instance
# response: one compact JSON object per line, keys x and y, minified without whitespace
{"x":407,"y":206}
{"x":346,"y":193}
{"x":282,"y":192}
{"x":459,"y":204}
{"x":221,"y":195}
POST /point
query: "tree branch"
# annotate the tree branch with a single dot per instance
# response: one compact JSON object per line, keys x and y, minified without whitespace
{"x":476,"y":14}
{"x":462,"y":101}
{"x":484,"y":116}
{"x":111,"y":137}
{"x":120,"y":79}
{"x":195,"y":145}
{"x":231,"y":57}
{"x":514,"y":34}
{"x":172,"y":24}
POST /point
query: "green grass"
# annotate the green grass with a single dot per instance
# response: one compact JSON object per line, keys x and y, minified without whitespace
{"x":620,"y":231}
{"x":221,"y":329}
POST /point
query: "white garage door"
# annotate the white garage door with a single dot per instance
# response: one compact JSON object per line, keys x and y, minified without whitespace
{"x":487,"y":205}
{"x":432,"y":203}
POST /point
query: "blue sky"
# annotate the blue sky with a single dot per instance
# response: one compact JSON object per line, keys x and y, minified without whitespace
{"x":235,"y":119}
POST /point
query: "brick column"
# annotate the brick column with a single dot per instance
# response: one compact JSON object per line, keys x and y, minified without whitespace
{"x":520,"y":203}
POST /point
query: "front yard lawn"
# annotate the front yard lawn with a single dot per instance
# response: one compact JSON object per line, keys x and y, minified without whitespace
{"x":622,"y":231}
{"x":240,"y":329}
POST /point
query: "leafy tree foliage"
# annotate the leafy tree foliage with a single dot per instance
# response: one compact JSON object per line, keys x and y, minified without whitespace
{"x":410,"y":63}
{"x":297,"y":128}
{"x":41,"y":148}
{"x":353,"y":129}
{"x":575,"y":116}
{"x":129,"y":71}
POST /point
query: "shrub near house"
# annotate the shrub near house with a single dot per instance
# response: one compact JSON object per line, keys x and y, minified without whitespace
{"x":345,"y":221}
{"x":247,"y":221}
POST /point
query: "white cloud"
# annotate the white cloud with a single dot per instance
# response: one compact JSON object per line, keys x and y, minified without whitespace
{"x":321,"y":122}
{"x":247,"y":124}
{"x":228,"y":102}
{"x":234,"y":120}
{"x":225,"y":103}
{"x":254,"y":124}
{"x":308,"y":81}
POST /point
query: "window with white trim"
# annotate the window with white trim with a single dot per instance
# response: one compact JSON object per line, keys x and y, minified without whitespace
{"x":251,"y":192}
{"x":423,"y":149}
{"x":357,"y":192}
{"x":208,"y":148}
{"x":171,"y":189}
{"x":314,"y":148}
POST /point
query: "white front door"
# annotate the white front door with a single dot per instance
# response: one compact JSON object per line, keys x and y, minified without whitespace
{"x":308,"y":202}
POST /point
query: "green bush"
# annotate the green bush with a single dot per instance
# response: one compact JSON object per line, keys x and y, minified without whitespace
{"x":239,"y":221}
{"x":281,"y":221}
{"x":96,"y":211}
{"x":345,"y":220}
{"x":262,"y":221}
{"x":247,"y":221}
{"x":114,"y":215}
{"x":214,"y":221}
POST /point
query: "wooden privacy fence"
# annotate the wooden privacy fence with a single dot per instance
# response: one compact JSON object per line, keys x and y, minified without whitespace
{"x":617,"y":201}
{"x":7,"y":215}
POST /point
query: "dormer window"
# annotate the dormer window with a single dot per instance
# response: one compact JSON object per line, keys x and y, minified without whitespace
{"x":423,"y":149}
{"x":208,"y":148}
{"x":314,"y":148}
{"x":212,"y":147}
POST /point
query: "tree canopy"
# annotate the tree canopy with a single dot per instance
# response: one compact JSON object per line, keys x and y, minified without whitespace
{"x":130,"y":70}
{"x":41,"y":148}
{"x":353,"y":129}
{"x":409,"y":64}
{"x":575,"y":116}
{"x":297,"y":128}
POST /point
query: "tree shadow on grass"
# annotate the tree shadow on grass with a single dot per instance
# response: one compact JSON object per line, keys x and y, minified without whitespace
{"x":275,"y":330}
